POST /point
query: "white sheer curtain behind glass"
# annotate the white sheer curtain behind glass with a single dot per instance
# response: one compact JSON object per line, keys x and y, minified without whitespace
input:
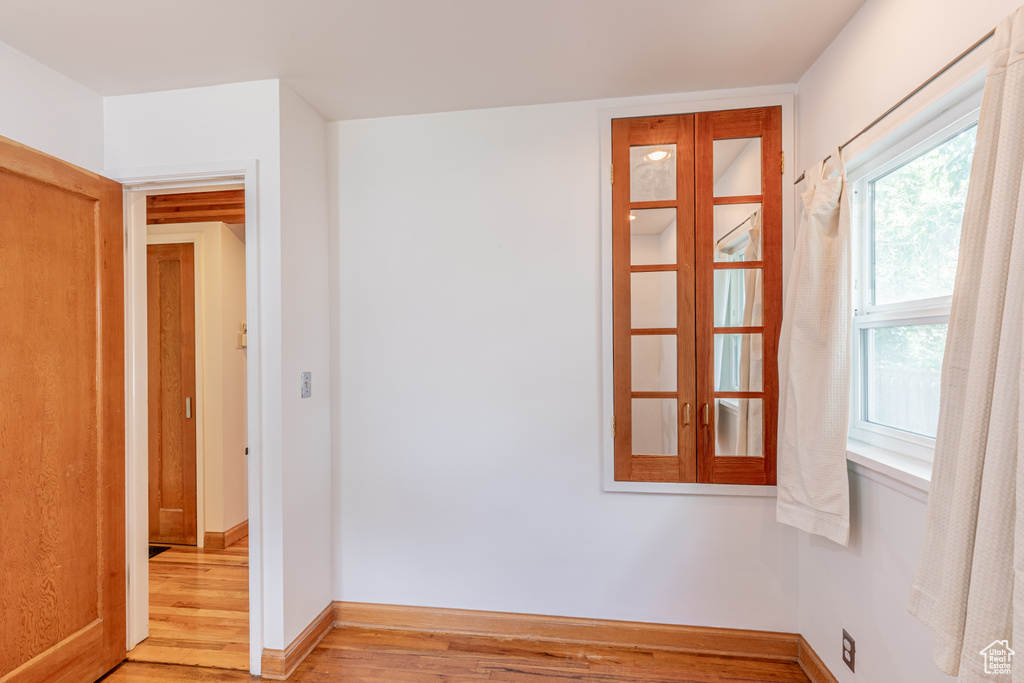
{"x":965,"y":588}
{"x":752,"y":353}
{"x":814,"y":363}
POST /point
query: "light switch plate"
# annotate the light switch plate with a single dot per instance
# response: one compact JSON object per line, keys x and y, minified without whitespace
{"x":307,"y":384}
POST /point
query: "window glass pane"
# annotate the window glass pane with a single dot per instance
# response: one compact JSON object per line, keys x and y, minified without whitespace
{"x":917,"y":212}
{"x":654,"y":362}
{"x":902,"y":369}
{"x":739,"y":364}
{"x":738,"y":297}
{"x":653,"y":299}
{"x":652,"y":237}
{"x":655,"y":427}
{"x":652,"y":173}
{"x":737,"y":167}
{"x":738,"y":232}
{"x":739,"y":427}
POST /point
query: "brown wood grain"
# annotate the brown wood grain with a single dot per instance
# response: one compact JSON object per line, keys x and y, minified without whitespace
{"x":198,"y":608}
{"x":766,"y":124}
{"x":62,"y":546}
{"x":377,"y":643}
{"x":653,"y":268}
{"x":812,"y":665}
{"x":278,"y":665}
{"x":686,"y":297}
{"x":738,"y":199}
{"x":215,"y":540}
{"x":227,"y":206}
{"x":170,"y":287}
{"x":704,"y":188}
{"x":626,"y":133}
{"x":767,"y":645}
{"x":771,"y":179}
{"x":737,"y":265}
{"x":373,"y":655}
{"x":621,"y":343}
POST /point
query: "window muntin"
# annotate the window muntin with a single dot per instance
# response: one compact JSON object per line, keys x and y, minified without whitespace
{"x":908,"y":210}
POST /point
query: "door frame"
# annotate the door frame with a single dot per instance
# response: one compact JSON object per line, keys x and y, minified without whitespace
{"x":138,"y":184}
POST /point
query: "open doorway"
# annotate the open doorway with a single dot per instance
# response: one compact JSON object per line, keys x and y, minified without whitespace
{"x":192,"y":506}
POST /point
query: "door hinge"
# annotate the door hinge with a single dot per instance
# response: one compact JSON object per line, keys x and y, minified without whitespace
{"x":783,"y":163}
{"x":613,"y":427}
{"x":613,"y":174}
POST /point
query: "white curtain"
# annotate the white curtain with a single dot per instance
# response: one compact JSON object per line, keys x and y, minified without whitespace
{"x":974,"y":543}
{"x":814,"y":363}
{"x":751,"y":430}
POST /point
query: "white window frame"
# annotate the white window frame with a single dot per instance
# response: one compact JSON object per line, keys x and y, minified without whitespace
{"x":899,"y":148}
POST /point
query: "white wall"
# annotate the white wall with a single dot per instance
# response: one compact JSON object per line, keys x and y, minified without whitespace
{"x":887,"y":49}
{"x":220,"y":267}
{"x":48,"y":111}
{"x":469,"y":453}
{"x":262,"y":121}
{"x":306,"y":461}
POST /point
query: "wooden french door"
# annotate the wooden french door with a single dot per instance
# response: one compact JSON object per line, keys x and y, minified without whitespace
{"x":62,"y":439}
{"x":696,"y":295}
{"x":170,"y":287}
{"x":654,"y":299}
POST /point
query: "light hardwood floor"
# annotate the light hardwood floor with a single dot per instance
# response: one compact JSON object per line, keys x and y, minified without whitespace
{"x":198,"y":608}
{"x":375,"y":656}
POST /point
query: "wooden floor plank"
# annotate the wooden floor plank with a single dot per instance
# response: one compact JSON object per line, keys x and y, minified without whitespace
{"x":354,"y":655}
{"x":199,"y":618}
{"x":198,"y":611}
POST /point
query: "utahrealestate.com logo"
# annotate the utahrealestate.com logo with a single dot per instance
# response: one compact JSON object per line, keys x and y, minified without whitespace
{"x":998,"y":658}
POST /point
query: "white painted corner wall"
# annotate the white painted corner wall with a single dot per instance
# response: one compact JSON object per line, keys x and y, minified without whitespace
{"x":468,"y":460}
{"x":887,"y":50}
{"x":306,"y":465}
{"x":49,"y":112}
{"x":290,"y":539}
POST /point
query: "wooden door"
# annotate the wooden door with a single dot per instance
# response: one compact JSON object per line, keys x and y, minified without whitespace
{"x":653,"y":299}
{"x":762,"y":267}
{"x":696,"y":295}
{"x":170,"y":286}
{"x":62,"y":439}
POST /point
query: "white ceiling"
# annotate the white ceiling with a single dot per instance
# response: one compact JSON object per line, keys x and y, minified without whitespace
{"x":367,"y":58}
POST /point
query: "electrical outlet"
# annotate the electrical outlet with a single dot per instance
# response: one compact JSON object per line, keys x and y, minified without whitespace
{"x":849,"y":650}
{"x":307,"y":384}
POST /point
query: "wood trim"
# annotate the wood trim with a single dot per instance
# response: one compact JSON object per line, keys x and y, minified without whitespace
{"x":657,"y":204}
{"x":811,"y":663}
{"x":738,"y":199}
{"x":226,"y":206}
{"x":704,"y":239}
{"x":621,"y":341}
{"x":757,"y":329}
{"x":654,"y":268}
{"x":737,"y":265}
{"x":668,"y":637}
{"x":218,"y":540}
{"x":653,"y":330}
{"x":278,"y":665}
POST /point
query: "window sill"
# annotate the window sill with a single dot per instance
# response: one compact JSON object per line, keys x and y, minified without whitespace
{"x":898,"y":471}
{"x":690,"y":489}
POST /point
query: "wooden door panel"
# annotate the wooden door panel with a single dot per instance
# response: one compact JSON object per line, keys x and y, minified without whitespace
{"x":170,"y":285}
{"x":62,"y":552}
